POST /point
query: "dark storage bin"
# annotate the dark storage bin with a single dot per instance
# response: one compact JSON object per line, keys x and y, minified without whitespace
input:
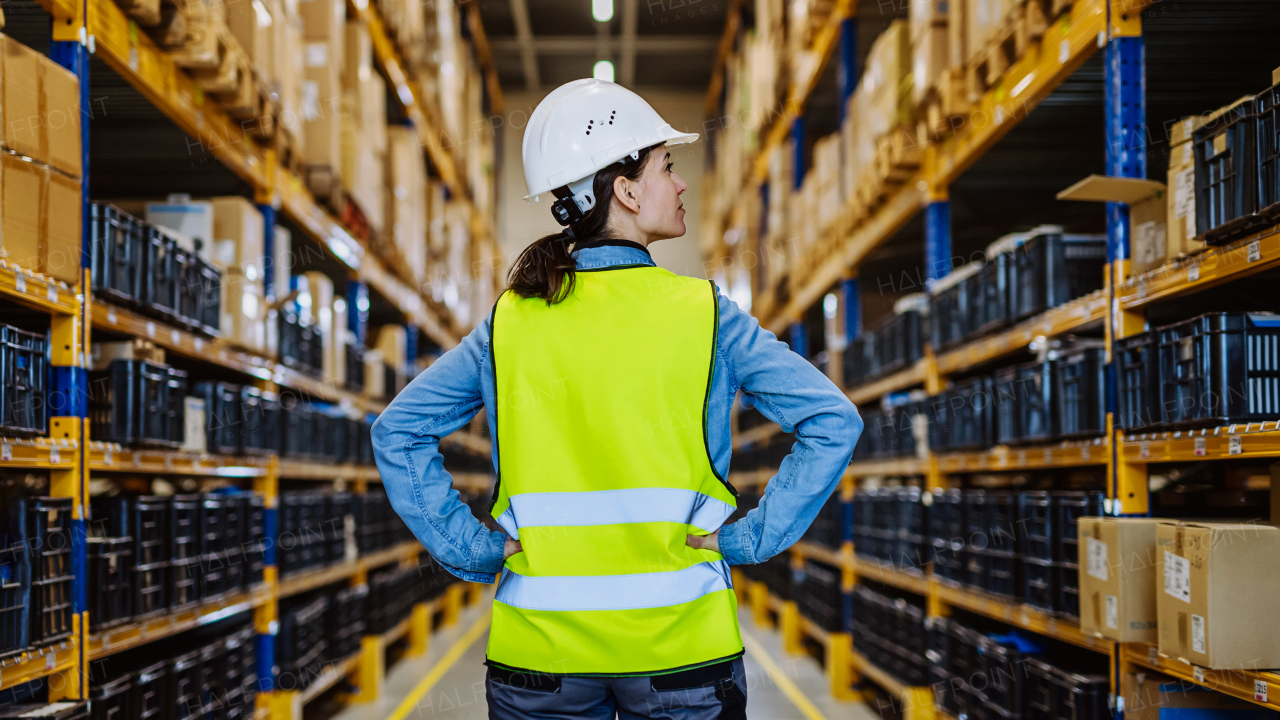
{"x":1056,"y":694}
{"x":239,"y":670}
{"x":175,"y":403}
{"x":311,"y":350}
{"x":1004,"y":405}
{"x":1038,"y":584}
{"x":213,"y":546}
{"x":301,"y":643}
{"x":110,"y":700}
{"x":857,"y":368}
{"x":184,"y":527}
{"x":184,"y":582}
{"x":1220,"y":368}
{"x":145,"y":520}
{"x":186,"y":288}
{"x":346,"y":622}
{"x":110,"y":560}
{"x":1138,"y":368}
{"x":270,"y":403}
{"x":899,"y":342}
{"x":159,"y":272}
{"x":253,"y":422}
{"x":222,"y":416}
{"x":1226,"y":176}
{"x":961,"y":418}
{"x":297,"y":429}
{"x":15,"y":586}
{"x":992,"y":311}
{"x":146,"y":695}
{"x":366,"y":440}
{"x":300,"y":544}
{"x":48,"y":533}
{"x":355,"y":368}
{"x":337,"y":509}
{"x":184,"y":691}
{"x":1067,"y":586}
{"x":209,"y":293}
{"x":129,"y":403}
{"x":1051,"y":268}
{"x":1080,"y":393}
{"x":1003,"y":666}
{"x":255,"y":509}
{"x":1035,"y":525}
{"x":115,"y":264}
{"x":1033,"y":395}
{"x":1068,"y":508}
{"x":951,"y":319}
{"x":24,"y":382}
{"x":817,"y":593}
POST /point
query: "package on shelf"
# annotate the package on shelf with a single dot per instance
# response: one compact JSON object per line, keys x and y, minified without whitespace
{"x":1181,"y":198}
{"x":146,"y":12}
{"x":41,"y":107}
{"x":336,"y":351}
{"x":406,"y":198}
{"x":804,"y":19}
{"x":453,"y":66}
{"x":244,"y":310}
{"x":190,"y":222}
{"x":103,"y":353}
{"x":1148,"y":209}
{"x":323,"y":56}
{"x":929,"y":58}
{"x":393,"y":341}
{"x":374,"y":375}
{"x":764,"y":51}
{"x":886,"y":81}
{"x":977,"y":21}
{"x":194,"y":436}
{"x":204,"y":43}
{"x":1117,"y":577}
{"x":358,"y":54}
{"x":281,"y":261}
{"x":925,"y":15}
{"x":1153,"y":696}
{"x":315,"y":306}
{"x":770,"y":18}
{"x":363,"y":171}
{"x":170,"y":29}
{"x":40,"y":210}
{"x":826,"y":168}
{"x":290,"y":70}
{"x":1217,"y":588}
{"x":251,"y":24}
{"x":238,"y":236}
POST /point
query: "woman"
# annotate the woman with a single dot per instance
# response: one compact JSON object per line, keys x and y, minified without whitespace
{"x":607,"y":384}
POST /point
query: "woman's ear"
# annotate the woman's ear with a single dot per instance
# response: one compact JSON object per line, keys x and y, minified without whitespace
{"x":626,"y":192}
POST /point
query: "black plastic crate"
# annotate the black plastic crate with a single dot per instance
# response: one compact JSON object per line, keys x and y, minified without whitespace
{"x":992,"y":311}
{"x":1038,"y":587}
{"x":1033,"y":393}
{"x":184,"y":527}
{"x":301,"y":642}
{"x":1035,"y":525}
{"x":213,"y":546}
{"x":1067,"y":589}
{"x":951,"y":319}
{"x":15,"y":586}
{"x":115,"y":264}
{"x":253,"y":422}
{"x":855,"y":363}
{"x":346,"y":622}
{"x":311,"y":350}
{"x":222,"y":417}
{"x":184,"y":582}
{"x":1138,"y":370}
{"x":110,"y":560}
{"x":270,"y":403}
{"x":1003,"y":668}
{"x":1057,"y":694}
{"x":210,"y":297}
{"x":968,"y":412}
{"x":47,"y":526}
{"x":110,"y":700}
{"x":355,"y":368}
{"x":184,"y":691}
{"x":159,"y":286}
{"x":235,"y":517}
{"x":1051,"y":268}
{"x":145,"y":520}
{"x":239,"y":671}
{"x":1068,"y":508}
{"x":1004,"y":406}
{"x":146,"y":695}
{"x":300,"y":544}
{"x":1080,"y":393}
{"x":899,"y":342}
{"x":24,"y":382}
{"x":337,"y":510}
{"x":186,"y":283}
{"x":1226,"y":175}
{"x":255,"y":509}
{"x":175,"y":404}
{"x":129,"y":404}
{"x":297,"y":429}
{"x":1220,"y":368}
{"x":817,"y":592}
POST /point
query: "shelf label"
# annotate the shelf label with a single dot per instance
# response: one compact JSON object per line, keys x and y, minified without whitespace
{"x":51,"y":292}
{"x":1255,"y":251}
{"x":20,"y":282}
{"x":1197,"y":633}
{"x":176,"y":337}
{"x":1064,"y":52}
{"x":1260,"y":690}
{"x":106,"y":642}
{"x":1113,"y":612}
{"x":1084,"y":452}
{"x":1200,"y":447}
{"x":133,"y":59}
{"x":1025,"y":618}
{"x":151,"y":329}
{"x":107,"y":458}
{"x":50,"y":661}
{"x":6,"y":452}
{"x":1048,"y":456}
{"x":55,"y":457}
{"x":1177,"y":577}
{"x":1153,"y":655}
{"x":111,"y":316}
{"x":1193,"y":272}
{"x":1144,"y":449}
{"x":1198,"y":674}
{"x":199,"y":343}
{"x":1234,"y":446}
{"x":1097,"y":559}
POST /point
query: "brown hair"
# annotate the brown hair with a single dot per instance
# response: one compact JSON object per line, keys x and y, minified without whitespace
{"x":545,"y":269}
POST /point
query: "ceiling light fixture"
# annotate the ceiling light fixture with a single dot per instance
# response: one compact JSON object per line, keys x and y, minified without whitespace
{"x":603,"y":70}
{"x":602,"y":10}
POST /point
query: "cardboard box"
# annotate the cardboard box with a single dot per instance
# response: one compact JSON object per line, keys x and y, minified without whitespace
{"x":40,"y":102}
{"x":1153,"y":696}
{"x":40,"y":219}
{"x":190,"y":221}
{"x":375,"y":385}
{"x":1216,"y":599}
{"x":281,"y":262}
{"x":392,"y":343}
{"x":323,"y":29}
{"x":338,"y":349}
{"x":1181,"y":199}
{"x":238,"y":236}
{"x":250,"y":23}
{"x":60,"y":113}
{"x":136,"y":349}
{"x":1149,"y":247}
{"x":929,"y":60}
{"x":244,"y":311}
{"x":926,"y":15}
{"x":1117,"y":578}
{"x":358,"y":54}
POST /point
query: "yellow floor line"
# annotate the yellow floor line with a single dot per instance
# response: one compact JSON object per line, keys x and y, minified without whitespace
{"x":473,"y":633}
{"x":788,"y":688}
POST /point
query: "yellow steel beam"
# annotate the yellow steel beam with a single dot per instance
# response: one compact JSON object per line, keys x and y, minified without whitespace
{"x":1250,"y":685}
{"x":1214,"y":266}
{"x":901,"y":380}
{"x":732,"y":21}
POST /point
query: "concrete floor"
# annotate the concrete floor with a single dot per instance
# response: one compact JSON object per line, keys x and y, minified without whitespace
{"x":459,"y":692}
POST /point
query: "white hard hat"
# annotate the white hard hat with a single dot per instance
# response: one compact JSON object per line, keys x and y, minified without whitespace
{"x":583,"y":126}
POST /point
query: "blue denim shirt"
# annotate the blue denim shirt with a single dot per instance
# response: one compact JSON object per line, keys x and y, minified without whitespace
{"x":785,"y":387}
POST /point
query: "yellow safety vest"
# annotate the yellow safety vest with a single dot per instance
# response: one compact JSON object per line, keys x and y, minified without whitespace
{"x":603,"y":469}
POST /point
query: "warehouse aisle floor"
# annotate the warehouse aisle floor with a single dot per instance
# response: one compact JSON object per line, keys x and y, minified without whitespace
{"x":779,"y":686}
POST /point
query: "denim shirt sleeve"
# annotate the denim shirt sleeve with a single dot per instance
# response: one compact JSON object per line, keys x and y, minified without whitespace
{"x":406,"y":444}
{"x":790,"y":391}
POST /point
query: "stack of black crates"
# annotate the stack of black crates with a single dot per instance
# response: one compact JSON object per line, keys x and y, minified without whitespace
{"x":141,"y":266}
{"x":889,"y":632}
{"x":895,"y":344}
{"x":1006,"y":677}
{"x":320,"y":529}
{"x":889,"y":527}
{"x":35,"y":573}
{"x":150,"y":554}
{"x":24,"y":381}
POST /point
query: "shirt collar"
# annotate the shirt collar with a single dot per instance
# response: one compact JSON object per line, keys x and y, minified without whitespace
{"x":597,"y":254}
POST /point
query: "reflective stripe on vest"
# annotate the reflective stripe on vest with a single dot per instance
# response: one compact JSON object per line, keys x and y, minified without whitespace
{"x":603,"y":469}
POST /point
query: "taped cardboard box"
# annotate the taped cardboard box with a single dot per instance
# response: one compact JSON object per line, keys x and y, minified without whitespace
{"x":244,"y":311}
{"x":251,"y":24}
{"x":1118,"y":578}
{"x":1153,"y":696}
{"x":238,"y":236}
{"x":1149,"y":248}
{"x":40,"y":102}
{"x":40,"y":218}
{"x":323,"y":27}
{"x":1216,"y":599}
{"x":1181,"y":201}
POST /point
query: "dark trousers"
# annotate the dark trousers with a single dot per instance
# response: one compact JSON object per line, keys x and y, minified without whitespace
{"x":706,"y":693}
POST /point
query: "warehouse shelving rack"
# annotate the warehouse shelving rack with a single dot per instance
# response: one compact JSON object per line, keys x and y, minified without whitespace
{"x":68,"y":453}
{"x":1113,"y":27}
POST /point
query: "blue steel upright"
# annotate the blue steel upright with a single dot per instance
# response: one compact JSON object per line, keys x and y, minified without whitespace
{"x":937,"y":240}
{"x":797,"y":163}
{"x":1126,"y":119}
{"x":847,"y":65}
{"x":358,"y":310}
{"x":268,"y":249}
{"x":852,"y":298}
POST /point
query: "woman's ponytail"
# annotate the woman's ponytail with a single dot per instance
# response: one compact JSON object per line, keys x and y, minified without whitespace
{"x":546,"y":269}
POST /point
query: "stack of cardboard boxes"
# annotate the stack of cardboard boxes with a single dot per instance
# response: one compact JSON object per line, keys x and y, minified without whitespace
{"x":237,"y":248}
{"x":363,"y":127}
{"x":323,"y":53}
{"x":929,"y":47}
{"x":40,"y":165}
{"x":406,"y":198}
